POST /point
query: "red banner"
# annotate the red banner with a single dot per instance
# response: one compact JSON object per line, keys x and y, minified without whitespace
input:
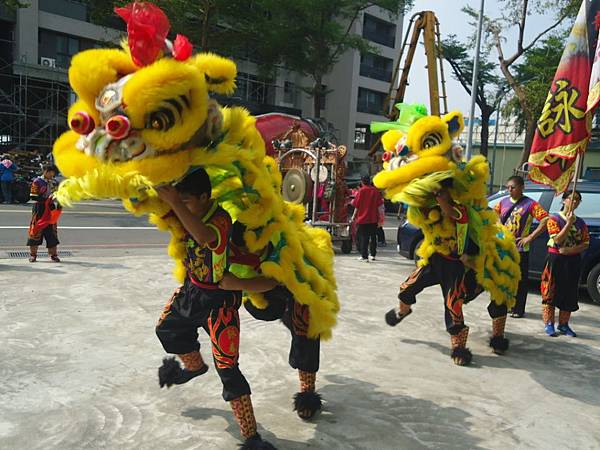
{"x":564,"y":127}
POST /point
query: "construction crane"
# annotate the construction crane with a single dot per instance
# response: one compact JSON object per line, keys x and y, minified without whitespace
{"x":422,"y":22}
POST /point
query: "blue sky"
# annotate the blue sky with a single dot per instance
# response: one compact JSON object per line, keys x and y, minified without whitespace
{"x":453,"y":21}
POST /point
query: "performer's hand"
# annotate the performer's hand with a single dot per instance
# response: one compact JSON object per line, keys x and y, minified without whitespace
{"x":523,"y":241}
{"x":168,"y":194}
{"x":570,"y":218}
{"x":229,"y":282}
{"x":565,"y":250}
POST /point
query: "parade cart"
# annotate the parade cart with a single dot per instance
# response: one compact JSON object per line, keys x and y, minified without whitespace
{"x":313,"y":170}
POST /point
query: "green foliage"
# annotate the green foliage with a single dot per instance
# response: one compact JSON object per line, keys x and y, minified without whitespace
{"x":458,"y":56}
{"x":307,"y":36}
{"x":535,"y":74}
{"x":13,"y":5}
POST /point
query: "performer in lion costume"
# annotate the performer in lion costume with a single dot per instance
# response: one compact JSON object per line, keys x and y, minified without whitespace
{"x":144,"y":118}
{"x":464,"y":247}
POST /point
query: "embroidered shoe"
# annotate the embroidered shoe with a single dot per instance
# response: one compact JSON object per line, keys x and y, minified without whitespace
{"x":55,"y":258}
{"x":33,"y":258}
{"x":549,"y":329}
{"x":566,"y":330}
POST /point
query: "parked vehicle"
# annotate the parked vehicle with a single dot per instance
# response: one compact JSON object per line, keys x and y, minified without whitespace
{"x":410,"y":237}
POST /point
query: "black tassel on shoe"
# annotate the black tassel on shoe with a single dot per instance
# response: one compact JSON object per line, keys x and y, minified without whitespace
{"x":171,"y":373}
{"x":307,"y":401}
{"x":256,"y":443}
{"x":461,"y":356}
{"x":499,"y":344}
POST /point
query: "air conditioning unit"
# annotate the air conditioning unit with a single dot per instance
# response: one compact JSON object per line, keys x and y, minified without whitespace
{"x":48,"y":62}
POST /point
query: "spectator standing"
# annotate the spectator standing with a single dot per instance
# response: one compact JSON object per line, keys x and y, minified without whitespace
{"x":517,"y":213}
{"x":42,"y":226}
{"x":569,"y":238}
{"x":366,"y":216}
{"x":7,"y":177}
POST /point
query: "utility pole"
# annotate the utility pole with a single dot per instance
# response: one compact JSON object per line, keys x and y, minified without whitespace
{"x":474,"y":84}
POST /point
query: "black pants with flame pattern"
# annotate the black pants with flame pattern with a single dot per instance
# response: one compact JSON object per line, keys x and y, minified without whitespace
{"x":304,"y":352}
{"x":192,"y":307}
{"x":459,"y":286}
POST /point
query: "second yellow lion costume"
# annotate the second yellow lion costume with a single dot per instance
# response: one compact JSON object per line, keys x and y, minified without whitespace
{"x":420,"y":160}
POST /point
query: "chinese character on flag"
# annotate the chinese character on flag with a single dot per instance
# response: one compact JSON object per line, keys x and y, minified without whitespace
{"x":564,"y":127}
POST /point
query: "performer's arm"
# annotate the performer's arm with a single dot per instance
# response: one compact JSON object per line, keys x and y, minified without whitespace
{"x":447,"y":205}
{"x":540,"y":214}
{"x":560,"y":237}
{"x":259,"y":284}
{"x":202,"y":233}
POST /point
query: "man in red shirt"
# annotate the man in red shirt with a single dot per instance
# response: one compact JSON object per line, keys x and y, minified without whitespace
{"x":366,"y":204}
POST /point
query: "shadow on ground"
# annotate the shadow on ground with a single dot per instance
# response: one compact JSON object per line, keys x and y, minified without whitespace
{"x":357,"y":415}
{"x":575,"y":373}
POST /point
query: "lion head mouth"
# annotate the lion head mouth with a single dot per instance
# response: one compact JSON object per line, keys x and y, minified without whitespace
{"x":101,"y":145}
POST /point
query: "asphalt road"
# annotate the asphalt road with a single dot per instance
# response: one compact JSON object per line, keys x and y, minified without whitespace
{"x":100,"y":225}
{"x":103,"y":224}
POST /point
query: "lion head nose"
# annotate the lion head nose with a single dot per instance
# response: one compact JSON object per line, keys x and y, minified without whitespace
{"x":118,"y":127}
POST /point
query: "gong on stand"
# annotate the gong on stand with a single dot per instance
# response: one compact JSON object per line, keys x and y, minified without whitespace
{"x":296,"y":186}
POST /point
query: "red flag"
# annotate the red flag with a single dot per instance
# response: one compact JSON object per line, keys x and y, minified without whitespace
{"x":564,"y":127}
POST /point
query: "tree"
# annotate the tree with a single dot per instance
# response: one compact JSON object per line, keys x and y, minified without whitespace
{"x":490,"y":89}
{"x":13,"y":5}
{"x":197,"y":19}
{"x":320,"y":32}
{"x":306,"y":36}
{"x":515,"y":14}
{"x":535,"y":74}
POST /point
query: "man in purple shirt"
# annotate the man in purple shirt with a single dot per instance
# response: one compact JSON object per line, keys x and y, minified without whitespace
{"x":517,"y":213}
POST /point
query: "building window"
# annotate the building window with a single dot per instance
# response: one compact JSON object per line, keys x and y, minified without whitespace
{"x":370,"y":101}
{"x":363,"y":139}
{"x":376,"y":67}
{"x":60,"y":47}
{"x":289,"y":93}
{"x":252,"y":89}
{"x":360,"y":135}
{"x":379,"y":31}
{"x":66,"y":47}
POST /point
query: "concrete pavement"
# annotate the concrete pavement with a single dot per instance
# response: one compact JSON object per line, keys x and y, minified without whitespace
{"x":79,"y":359}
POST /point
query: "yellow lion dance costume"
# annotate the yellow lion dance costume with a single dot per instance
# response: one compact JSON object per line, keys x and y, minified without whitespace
{"x":465,"y":249}
{"x":141,"y":122}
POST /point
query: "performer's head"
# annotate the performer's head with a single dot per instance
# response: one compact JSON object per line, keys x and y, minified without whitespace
{"x":365,"y":180}
{"x":514,"y":186}
{"x":195,"y":191}
{"x":571,"y":196}
{"x":49,"y":171}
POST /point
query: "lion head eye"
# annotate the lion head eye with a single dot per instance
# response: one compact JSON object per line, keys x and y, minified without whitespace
{"x":161,"y":119}
{"x":431,"y":140}
{"x":170,"y":111}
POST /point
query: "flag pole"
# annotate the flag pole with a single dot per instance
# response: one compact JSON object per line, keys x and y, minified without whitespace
{"x":577,"y":169}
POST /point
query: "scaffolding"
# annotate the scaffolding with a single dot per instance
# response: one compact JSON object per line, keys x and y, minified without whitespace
{"x":34,"y":102}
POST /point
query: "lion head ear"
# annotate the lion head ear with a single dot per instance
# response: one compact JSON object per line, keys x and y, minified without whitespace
{"x":455,"y":123}
{"x":93,"y":69}
{"x":219,"y":72}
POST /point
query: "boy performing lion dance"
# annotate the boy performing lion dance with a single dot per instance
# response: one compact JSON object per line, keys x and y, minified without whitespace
{"x":464,"y":249}
{"x":279,"y":303}
{"x":144,"y":119}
